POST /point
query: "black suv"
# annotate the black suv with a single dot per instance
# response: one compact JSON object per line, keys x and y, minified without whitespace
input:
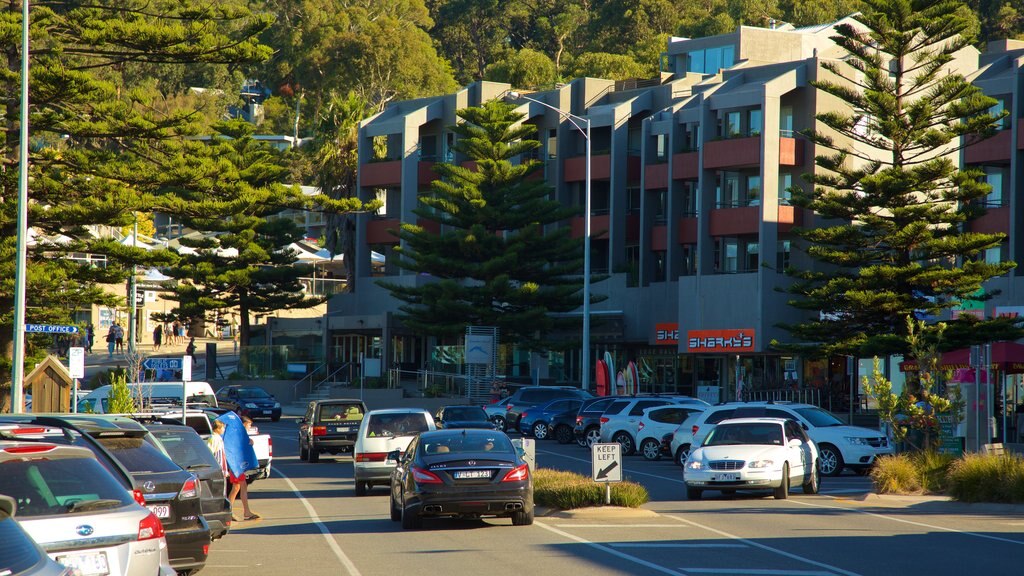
{"x":587,"y":428}
{"x":251,"y":401}
{"x":530,"y":396}
{"x":329,"y":426}
{"x":189,"y":451}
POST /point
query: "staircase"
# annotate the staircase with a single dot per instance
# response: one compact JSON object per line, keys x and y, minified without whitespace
{"x":321,"y":389}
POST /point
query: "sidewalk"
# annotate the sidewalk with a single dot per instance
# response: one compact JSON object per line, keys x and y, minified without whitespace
{"x":227,"y":356}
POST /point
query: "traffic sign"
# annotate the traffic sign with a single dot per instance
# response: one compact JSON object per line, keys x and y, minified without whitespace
{"x":51,"y":329}
{"x":76,"y":362}
{"x":162,"y":363}
{"x":607,"y":462}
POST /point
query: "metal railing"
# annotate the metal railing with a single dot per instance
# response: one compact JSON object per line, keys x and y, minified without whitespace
{"x":802,"y":395}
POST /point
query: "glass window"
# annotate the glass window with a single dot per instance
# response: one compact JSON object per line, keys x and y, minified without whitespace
{"x":754,"y":190}
{"x":61,"y":486}
{"x":728,"y":56}
{"x":713,"y":60}
{"x":659,"y":200}
{"x":994,"y":178}
{"x":634,"y":200}
{"x":689,"y":267}
{"x":729,"y":192}
{"x":689,"y":199}
{"x":751,"y":251}
{"x":786,"y":121}
{"x":396,"y":424}
{"x":730,"y":255}
{"x":381,"y":194}
{"x":782,"y":256}
{"x":340,"y":412}
{"x":996,"y":110}
{"x":754,"y":121}
{"x":659,"y":266}
{"x":732,"y":125}
{"x":552,"y":144}
{"x":660,"y":146}
{"x":137,"y":455}
{"x":785,"y":183}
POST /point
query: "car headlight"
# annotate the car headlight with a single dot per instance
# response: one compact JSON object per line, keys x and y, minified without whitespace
{"x":694,"y":465}
{"x":277,"y":404}
{"x":857,"y":441}
{"x":250,"y":405}
{"x":761,"y":464}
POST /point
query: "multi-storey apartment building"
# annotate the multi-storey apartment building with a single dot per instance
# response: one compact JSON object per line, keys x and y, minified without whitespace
{"x":690,"y":215}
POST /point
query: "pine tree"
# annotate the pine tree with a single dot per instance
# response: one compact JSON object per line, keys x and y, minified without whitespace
{"x":497,"y":260}
{"x":892,"y":204}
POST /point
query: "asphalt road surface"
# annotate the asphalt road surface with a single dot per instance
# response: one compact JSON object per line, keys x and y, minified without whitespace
{"x":314,"y":524}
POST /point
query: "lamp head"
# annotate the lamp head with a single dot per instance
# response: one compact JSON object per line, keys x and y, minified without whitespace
{"x":513,"y":95}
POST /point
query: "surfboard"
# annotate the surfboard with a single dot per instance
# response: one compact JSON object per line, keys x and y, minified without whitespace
{"x":620,"y":383}
{"x":601,"y":378}
{"x":609,"y":363}
{"x":239,"y":452}
{"x":634,"y":378}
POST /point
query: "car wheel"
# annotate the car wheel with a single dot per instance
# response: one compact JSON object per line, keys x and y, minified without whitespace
{"x":314,"y":456}
{"x":693,"y":493}
{"x":396,"y":512}
{"x":410,"y":521}
{"x":682,"y":453}
{"x":361,"y":488}
{"x":830,"y":460}
{"x":624,"y":440}
{"x":782,"y":492}
{"x":563,"y":434}
{"x":651,"y":449}
{"x":812,"y":485}
{"x":522,"y":517}
{"x":303,"y":451}
{"x":499,"y":421}
{"x":592,"y":436}
{"x":540,"y":430}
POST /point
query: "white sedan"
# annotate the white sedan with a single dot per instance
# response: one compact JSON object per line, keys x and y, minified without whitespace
{"x":753,"y":454}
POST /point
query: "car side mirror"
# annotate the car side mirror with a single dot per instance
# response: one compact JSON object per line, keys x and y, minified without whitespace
{"x":795,"y":443}
{"x":394,"y":454}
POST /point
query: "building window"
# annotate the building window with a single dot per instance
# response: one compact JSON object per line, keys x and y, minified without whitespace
{"x":997,"y":110}
{"x":732,"y":125}
{"x":754,"y":121}
{"x":691,"y":137}
{"x":661,"y":147}
{"x":659,"y":205}
{"x":689,"y":208}
{"x":994,"y":178}
{"x":786,"y":121}
{"x":785,"y":183}
{"x":689,"y":263}
{"x":632,"y":266}
{"x":727,"y":194}
{"x":992,"y":255}
{"x":782,"y":255}
{"x":449,"y":147}
{"x":754,"y":190}
{"x":751,"y":251}
{"x":381,"y":194}
{"x":552,"y":143}
{"x":726,"y":255}
{"x":428,"y":147}
{"x":633,"y":194}
{"x":659,"y":266}
{"x":710,"y":60}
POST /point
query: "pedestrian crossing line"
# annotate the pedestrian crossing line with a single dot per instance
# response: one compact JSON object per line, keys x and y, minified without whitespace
{"x":756,"y":571}
{"x":650,"y":566}
{"x":671,"y":545}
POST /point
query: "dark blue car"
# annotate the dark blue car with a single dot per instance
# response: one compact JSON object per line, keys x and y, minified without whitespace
{"x":534,"y":421}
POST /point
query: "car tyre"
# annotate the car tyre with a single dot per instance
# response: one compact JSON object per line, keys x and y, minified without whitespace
{"x":626,"y":441}
{"x":813,"y":484}
{"x":693,"y":493}
{"x":396,"y":512}
{"x":499,"y":421}
{"x":410,"y":521}
{"x":540,"y":430}
{"x":651,"y":449}
{"x":682,"y":453}
{"x":563,"y":434}
{"x":782,"y":492}
{"x":522,"y":517}
{"x":592,"y":436}
{"x":830,"y":460}
{"x":361,"y":487}
{"x":314,"y":456}
{"x":303,"y":452}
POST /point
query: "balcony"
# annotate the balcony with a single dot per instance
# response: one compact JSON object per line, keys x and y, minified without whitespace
{"x":790,"y":216}
{"x":733,"y":153}
{"x":688,"y":230}
{"x":659,"y":238}
{"x":575,"y":169}
{"x":382,"y":173}
{"x":990,"y":150}
{"x":735,"y":221}
{"x":995,"y":221}
{"x":379,"y":231}
{"x":791,"y":151}
{"x":656,"y":176}
{"x":686,"y":165}
{"x":599,"y":225}
{"x":425,"y":172}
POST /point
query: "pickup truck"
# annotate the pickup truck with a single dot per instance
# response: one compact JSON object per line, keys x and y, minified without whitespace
{"x":263,"y":445}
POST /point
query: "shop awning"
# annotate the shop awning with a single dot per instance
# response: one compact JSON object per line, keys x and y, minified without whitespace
{"x":1007,"y":358}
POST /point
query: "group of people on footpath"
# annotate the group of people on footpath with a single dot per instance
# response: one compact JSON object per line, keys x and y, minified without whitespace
{"x":171,"y":333}
{"x":222,"y":452}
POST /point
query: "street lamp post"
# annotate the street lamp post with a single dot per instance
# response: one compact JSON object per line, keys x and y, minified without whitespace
{"x":585,"y":131}
{"x":18,"y":360}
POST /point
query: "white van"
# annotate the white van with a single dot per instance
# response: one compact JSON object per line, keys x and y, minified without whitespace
{"x":153,"y":394}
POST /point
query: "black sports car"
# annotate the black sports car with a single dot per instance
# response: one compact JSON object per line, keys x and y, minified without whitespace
{"x":463,"y":416}
{"x":461,"y":473}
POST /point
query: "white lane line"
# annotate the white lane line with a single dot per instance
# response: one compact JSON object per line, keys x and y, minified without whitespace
{"x":764,"y":547}
{"x":611,"y":551}
{"x":730,"y":571}
{"x":208,"y":565}
{"x":913,"y":523}
{"x":616,"y":525}
{"x":671,"y":545}
{"x":850,"y":491}
{"x":677,"y":480}
{"x":349,"y":566}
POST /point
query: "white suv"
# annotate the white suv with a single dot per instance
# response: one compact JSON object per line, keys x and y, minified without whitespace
{"x":839,"y":446}
{"x":658,"y":421}
{"x":381,"y":432}
{"x":621,"y":417}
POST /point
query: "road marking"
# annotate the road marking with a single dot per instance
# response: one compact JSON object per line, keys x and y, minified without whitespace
{"x":617,"y":526}
{"x":672,"y":545}
{"x":849,"y":491}
{"x":764,"y":547}
{"x":624,"y":469}
{"x":208,"y":565}
{"x":349,"y":566}
{"x":757,"y":571}
{"x":912,"y":523}
{"x":611,"y":551}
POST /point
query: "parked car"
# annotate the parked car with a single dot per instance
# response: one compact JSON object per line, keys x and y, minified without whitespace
{"x":587,"y":428}
{"x":753,"y":454}
{"x":188,"y":450}
{"x":658,"y":421}
{"x":329,"y":426}
{"x":840,"y":446}
{"x":154,"y":395}
{"x":530,"y":396}
{"x":70,"y":504}
{"x":621,"y":417}
{"x":457,"y":473}
{"x":463,"y":416}
{"x":561,"y":426}
{"x":198,"y":420}
{"x":381,"y":434}
{"x":251,"y":401}
{"x":535,"y":421}
{"x":496,"y":413}
{"x":20,"y":555}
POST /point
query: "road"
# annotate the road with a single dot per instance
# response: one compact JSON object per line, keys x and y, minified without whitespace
{"x":313,"y":524}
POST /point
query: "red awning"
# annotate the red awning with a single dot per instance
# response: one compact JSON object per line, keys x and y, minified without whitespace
{"x":1007,"y":358}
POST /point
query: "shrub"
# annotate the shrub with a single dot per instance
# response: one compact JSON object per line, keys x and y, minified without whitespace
{"x":987,"y":478}
{"x":896,"y":474}
{"x":934,"y":470}
{"x":568,"y":490}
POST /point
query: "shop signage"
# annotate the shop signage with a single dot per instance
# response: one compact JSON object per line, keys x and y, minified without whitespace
{"x":666,"y":333}
{"x":1009,"y":311}
{"x":729,"y":340}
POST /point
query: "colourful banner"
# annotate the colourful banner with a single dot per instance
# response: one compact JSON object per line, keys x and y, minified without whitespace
{"x":729,"y":340}
{"x":666,"y":333}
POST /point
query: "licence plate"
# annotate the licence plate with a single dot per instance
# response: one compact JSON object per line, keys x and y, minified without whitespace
{"x":160,"y":510}
{"x":87,"y":563}
{"x":268,"y":412}
{"x":460,"y":474}
{"x":342,"y":428}
{"x":726,"y":477}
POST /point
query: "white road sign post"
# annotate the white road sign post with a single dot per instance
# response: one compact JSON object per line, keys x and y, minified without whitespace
{"x":606,"y":466}
{"x":76,"y":367}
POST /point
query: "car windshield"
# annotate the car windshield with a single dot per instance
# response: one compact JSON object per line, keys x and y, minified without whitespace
{"x":137,"y":455}
{"x":252,"y":393}
{"x":60,"y":486}
{"x":464,"y":443}
{"x":340,"y":412}
{"x":186,"y":448}
{"x":748,"y":433}
{"x":465,"y":414}
{"x":818,"y":417}
{"x":396,"y":424}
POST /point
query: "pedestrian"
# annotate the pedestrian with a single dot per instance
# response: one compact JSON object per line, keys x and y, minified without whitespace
{"x":240,"y":457}
{"x":118,"y":337}
{"x":158,"y":334}
{"x":175,"y":328}
{"x":111,"y":341}
{"x":90,"y":337}
{"x":190,"y":350}
{"x":250,"y":428}
{"x":216,"y":444}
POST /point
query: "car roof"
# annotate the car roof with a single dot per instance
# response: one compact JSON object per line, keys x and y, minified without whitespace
{"x":447,"y":432}
{"x":398,"y":411}
{"x":763,"y":403}
{"x":779,"y":421}
{"x":337,"y":401}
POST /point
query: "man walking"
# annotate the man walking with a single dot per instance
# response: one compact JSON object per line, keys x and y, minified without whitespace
{"x":158,"y":334}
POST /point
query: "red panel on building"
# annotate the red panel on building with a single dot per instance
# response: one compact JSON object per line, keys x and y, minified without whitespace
{"x":688,"y":230}
{"x":791,"y":152}
{"x":598,"y":226}
{"x":633,"y":166}
{"x":732,"y":153}
{"x":575,"y":169}
{"x":994,"y":149}
{"x":666,"y":333}
{"x":728,"y":340}
{"x":659,"y":238}
{"x":995,"y":221}
{"x":632,"y":228}
{"x":686,"y":166}
{"x":381,"y":173}
{"x":379,"y":231}
{"x":790,"y":216}
{"x":655,"y":176}
{"x":429,"y":225}
{"x":425,"y":173}
{"x":735,"y":221}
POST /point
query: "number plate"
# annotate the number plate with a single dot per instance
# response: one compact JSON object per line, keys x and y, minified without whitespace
{"x":87,"y":564}
{"x":342,"y":428}
{"x":268,"y":412}
{"x":463,"y":474}
{"x":160,"y":510}
{"x":726,"y":477}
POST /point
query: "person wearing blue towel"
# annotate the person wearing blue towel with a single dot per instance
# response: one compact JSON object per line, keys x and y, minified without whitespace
{"x":240,"y":457}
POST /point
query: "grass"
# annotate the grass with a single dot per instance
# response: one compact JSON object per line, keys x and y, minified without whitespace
{"x":568,"y":490}
{"x":918,"y":473}
{"x":987,"y":478}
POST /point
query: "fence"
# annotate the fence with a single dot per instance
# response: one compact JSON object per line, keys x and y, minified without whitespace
{"x":802,"y":396}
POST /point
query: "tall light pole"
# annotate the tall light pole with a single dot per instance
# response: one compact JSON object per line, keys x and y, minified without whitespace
{"x":18,"y":366}
{"x":584,"y":129}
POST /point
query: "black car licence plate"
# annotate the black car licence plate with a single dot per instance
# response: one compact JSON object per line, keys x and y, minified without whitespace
{"x":467,"y":474}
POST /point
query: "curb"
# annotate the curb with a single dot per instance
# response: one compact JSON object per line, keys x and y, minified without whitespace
{"x":905,"y":501}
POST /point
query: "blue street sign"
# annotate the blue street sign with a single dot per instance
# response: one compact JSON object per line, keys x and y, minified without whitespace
{"x":162,"y":363}
{"x":51,"y":329}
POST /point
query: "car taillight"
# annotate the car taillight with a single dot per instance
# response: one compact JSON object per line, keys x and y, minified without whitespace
{"x":371,"y":456}
{"x":422,"y":476}
{"x":319,"y":430}
{"x":640,"y":427}
{"x":518,"y":474}
{"x":138,"y":497}
{"x":523,"y":415}
{"x":604,"y":420}
{"x":694,"y":429}
{"x":190,"y":489}
{"x":579,"y":420}
{"x":508,"y":407}
{"x":270,"y":447}
{"x":150,"y":528}
{"x":33,"y":449}
{"x":206,"y":549}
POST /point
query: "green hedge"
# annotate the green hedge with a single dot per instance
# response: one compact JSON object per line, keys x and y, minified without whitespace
{"x":971,"y":478}
{"x":568,"y":490}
